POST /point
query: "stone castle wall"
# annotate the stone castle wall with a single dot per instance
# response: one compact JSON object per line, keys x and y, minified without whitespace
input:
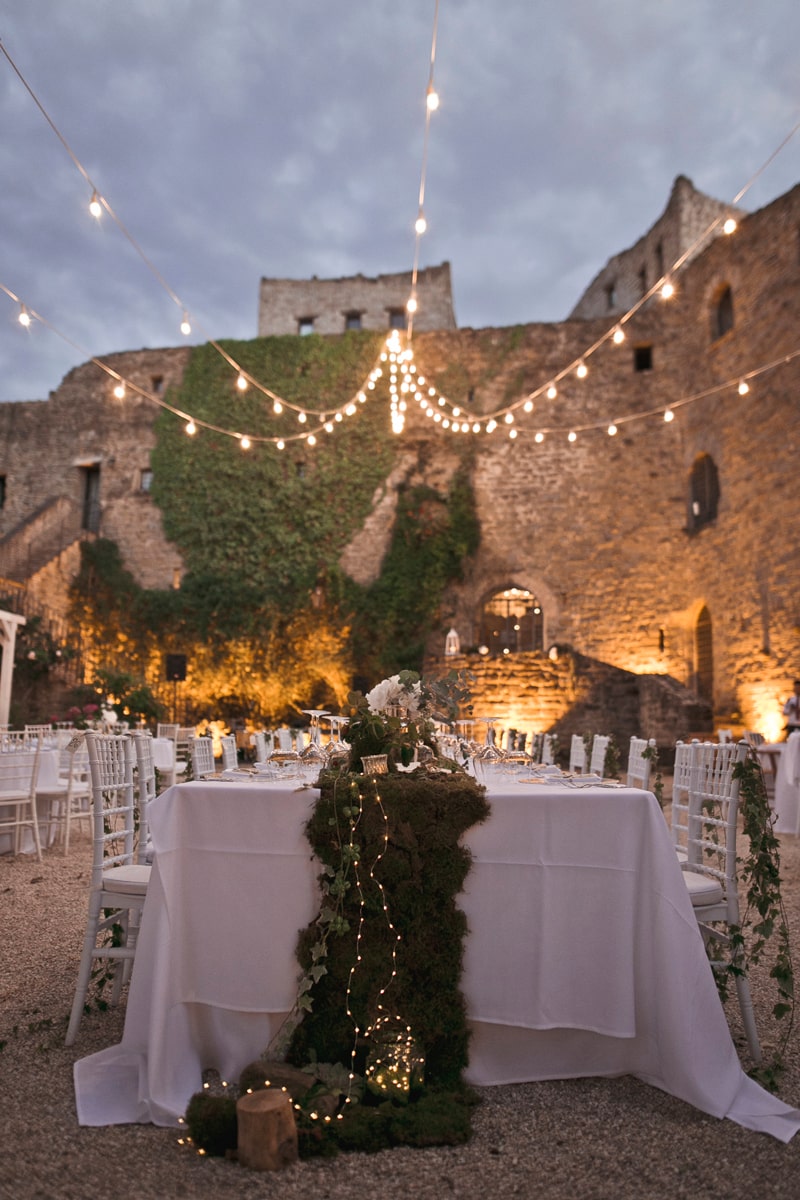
{"x":597,"y":528}
{"x":327,"y":303}
{"x":679,"y":231}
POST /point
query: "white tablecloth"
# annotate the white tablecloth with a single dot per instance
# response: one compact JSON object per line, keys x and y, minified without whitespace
{"x":583,"y":955}
{"x":787,"y":783}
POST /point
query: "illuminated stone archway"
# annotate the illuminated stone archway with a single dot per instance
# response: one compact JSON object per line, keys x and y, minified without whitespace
{"x":510,"y":621}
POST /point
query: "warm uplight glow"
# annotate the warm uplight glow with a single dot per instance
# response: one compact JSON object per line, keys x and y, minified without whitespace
{"x":95,"y":207}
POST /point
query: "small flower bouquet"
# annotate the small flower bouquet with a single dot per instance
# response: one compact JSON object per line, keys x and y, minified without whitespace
{"x":398,"y":717}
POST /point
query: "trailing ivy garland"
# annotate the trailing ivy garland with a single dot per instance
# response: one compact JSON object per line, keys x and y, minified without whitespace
{"x":764,"y":916}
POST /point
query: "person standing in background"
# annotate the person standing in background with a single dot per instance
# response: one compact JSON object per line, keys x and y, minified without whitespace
{"x":791,"y":710}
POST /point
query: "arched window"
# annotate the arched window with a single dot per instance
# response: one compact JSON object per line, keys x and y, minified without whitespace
{"x":703,"y":493}
{"x":511,"y":621}
{"x":722,"y":315}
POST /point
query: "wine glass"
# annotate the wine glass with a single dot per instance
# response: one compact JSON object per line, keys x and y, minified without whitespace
{"x":315,"y":714}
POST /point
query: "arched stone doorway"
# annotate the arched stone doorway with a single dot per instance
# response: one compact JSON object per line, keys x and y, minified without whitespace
{"x":511,"y":621}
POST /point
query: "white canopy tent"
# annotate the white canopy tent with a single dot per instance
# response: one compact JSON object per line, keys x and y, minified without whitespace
{"x":9,"y":623}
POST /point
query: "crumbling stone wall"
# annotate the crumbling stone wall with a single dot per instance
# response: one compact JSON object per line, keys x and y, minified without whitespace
{"x":326,"y":303}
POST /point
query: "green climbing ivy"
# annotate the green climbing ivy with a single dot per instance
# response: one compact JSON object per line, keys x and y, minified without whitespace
{"x":764,"y":916}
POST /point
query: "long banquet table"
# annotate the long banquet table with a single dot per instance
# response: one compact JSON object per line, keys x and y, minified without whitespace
{"x":583,"y":955}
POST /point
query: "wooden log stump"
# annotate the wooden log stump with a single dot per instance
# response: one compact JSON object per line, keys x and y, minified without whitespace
{"x":267,"y":1130}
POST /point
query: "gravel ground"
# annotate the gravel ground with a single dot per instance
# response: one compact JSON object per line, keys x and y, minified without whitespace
{"x":586,"y":1139}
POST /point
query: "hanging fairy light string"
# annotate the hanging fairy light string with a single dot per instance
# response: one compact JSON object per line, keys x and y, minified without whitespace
{"x":445,"y":413}
{"x":421,"y":223}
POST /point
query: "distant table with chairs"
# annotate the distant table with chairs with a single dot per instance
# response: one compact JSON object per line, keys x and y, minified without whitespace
{"x":781,"y":761}
{"x":48,"y":785}
{"x":583,"y":955}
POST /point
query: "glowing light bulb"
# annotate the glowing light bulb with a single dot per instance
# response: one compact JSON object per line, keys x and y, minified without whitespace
{"x":528,"y":406}
{"x":432,"y":98}
{"x":512,"y":433}
{"x":509,"y":418}
{"x":539,"y":437}
{"x":420,"y":225}
{"x":667,"y":290}
{"x":245,"y":442}
{"x":411,"y":306}
{"x":95,"y":207}
{"x":612,"y":429}
{"x":552,"y":392}
{"x":186,"y":328}
{"x":241,"y":383}
{"x":618,"y":335}
{"x":190,"y":428}
{"x":729,"y":226}
{"x":744,"y":387}
{"x":24,"y":317}
{"x":280,"y":444}
{"x":669,"y":415}
{"x":277,"y":407}
{"x":119,"y":390}
{"x":581,"y":370}
{"x":572,"y":436}
{"x":311,"y":439}
{"x":302,"y":418}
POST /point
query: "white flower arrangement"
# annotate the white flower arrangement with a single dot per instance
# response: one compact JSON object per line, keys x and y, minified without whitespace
{"x":396,"y":692}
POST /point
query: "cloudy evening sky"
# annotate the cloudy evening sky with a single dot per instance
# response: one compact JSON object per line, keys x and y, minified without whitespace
{"x":241,"y":138}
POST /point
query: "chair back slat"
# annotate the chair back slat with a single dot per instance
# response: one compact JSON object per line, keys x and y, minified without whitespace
{"x":639,"y":763}
{"x":113,"y":808}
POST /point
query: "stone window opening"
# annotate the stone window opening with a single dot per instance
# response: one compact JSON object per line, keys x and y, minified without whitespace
{"x":611,"y":295}
{"x":659,"y":260}
{"x":703,"y":493}
{"x":511,"y":622}
{"x":643,"y":281}
{"x":157,"y":384}
{"x":305,"y":326}
{"x":145,"y":480}
{"x":643,"y":358}
{"x":2,"y":491}
{"x":398,"y":318}
{"x":352,"y":320}
{"x":722,"y":314}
